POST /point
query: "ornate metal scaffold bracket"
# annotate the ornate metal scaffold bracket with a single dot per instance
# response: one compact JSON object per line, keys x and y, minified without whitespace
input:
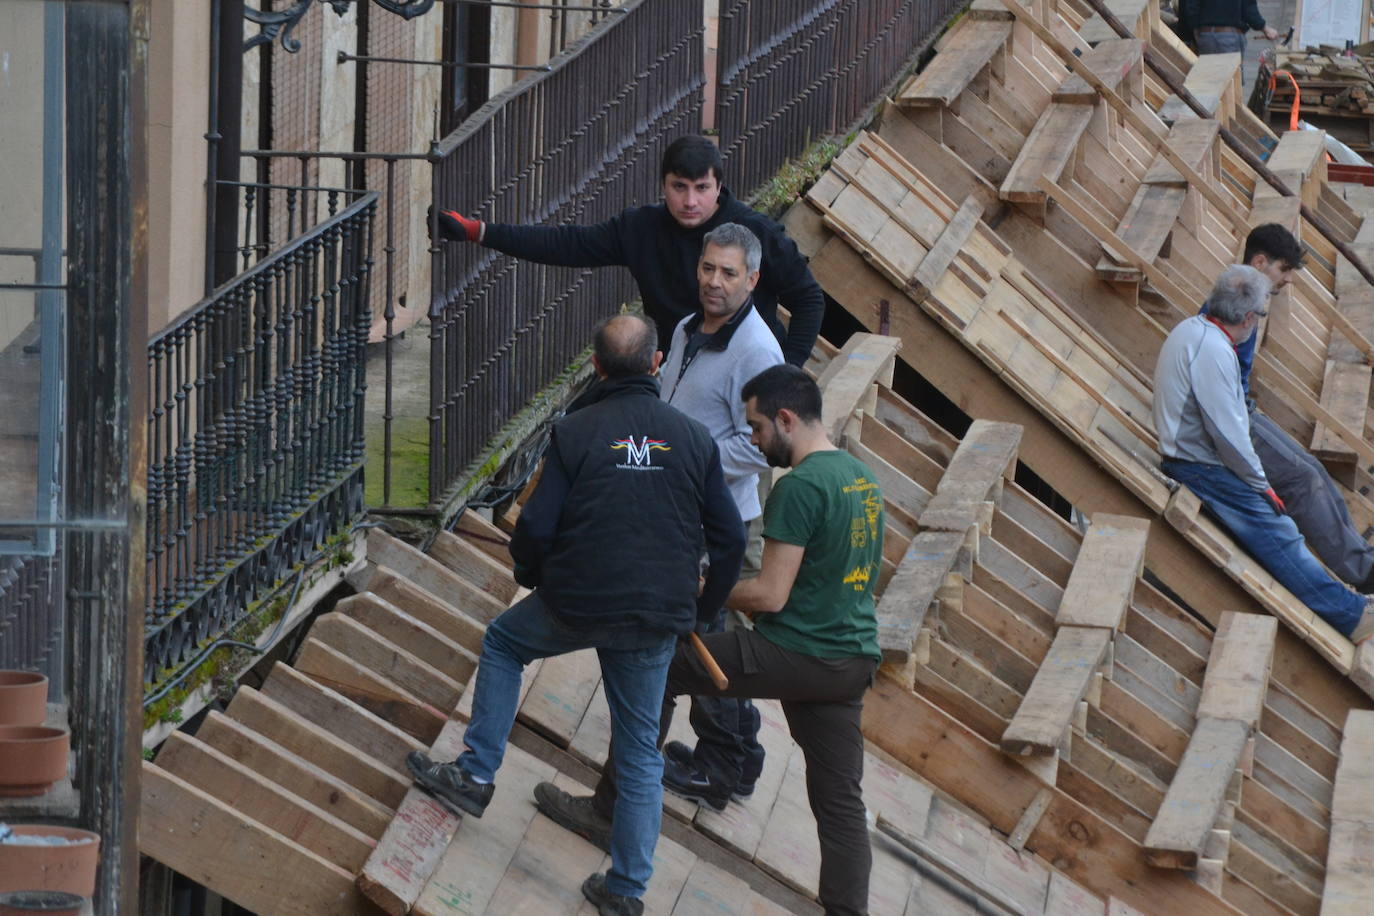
{"x":283,"y":22}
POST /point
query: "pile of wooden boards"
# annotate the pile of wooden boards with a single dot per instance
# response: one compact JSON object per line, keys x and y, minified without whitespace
{"x":1328,"y":83}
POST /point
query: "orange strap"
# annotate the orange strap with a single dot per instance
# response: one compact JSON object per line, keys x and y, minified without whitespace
{"x":1297,"y":96}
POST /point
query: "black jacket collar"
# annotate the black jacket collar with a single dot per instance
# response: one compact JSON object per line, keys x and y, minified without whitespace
{"x":721,"y":339}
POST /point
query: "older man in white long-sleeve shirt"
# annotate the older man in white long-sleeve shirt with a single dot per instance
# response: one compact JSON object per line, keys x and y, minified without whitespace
{"x":1204,"y":437}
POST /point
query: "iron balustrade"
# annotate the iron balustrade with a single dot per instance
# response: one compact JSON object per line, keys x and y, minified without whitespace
{"x":574,"y":145}
{"x":791,"y":73}
{"x":255,"y":421}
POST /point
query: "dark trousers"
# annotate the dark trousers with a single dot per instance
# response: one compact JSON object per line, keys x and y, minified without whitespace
{"x":823,"y":701}
{"x":727,"y":730}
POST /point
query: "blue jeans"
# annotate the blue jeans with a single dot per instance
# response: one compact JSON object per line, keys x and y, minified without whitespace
{"x":634,"y":670}
{"x":1221,"y":42}
{"x":1272,"y":539}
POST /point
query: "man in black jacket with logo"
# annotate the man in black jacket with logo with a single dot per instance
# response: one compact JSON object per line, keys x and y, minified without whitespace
{"x":610,"y":541}
{"x":660,"y":244}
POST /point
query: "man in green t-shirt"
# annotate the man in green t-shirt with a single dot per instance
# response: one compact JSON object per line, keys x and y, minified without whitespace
{"x":815,"y":639}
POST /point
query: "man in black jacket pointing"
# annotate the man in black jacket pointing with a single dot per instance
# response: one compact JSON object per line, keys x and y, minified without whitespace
{"x":660,"y":244}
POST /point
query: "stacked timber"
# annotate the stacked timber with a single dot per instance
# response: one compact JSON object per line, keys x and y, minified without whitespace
{"x":1328,"y":83}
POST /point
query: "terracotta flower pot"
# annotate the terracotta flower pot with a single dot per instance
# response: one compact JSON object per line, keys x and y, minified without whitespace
{"x":54,"y":903}
{"x":23,"y":697}
{"x":32,"y":758}
{"x":69,"y":868}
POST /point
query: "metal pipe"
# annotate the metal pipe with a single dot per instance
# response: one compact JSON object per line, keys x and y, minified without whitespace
{"x":345,"y":57}
{"x":1238,"y":147}
{"x":541,"y":6}
{"x":946,"y":873}
{"x":212,"y":138}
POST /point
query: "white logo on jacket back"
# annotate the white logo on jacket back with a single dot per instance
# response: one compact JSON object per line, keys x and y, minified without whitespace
{"x":639,"y":455}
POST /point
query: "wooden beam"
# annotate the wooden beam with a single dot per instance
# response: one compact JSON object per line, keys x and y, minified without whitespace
{"x":188,"y":830}
{"x":414,"y":636}
{"x":372,"y":691}
{"x":264,"y":801}
{"x":464,"y":558}
{"x":301,"y":736}
{"x":1349,"y":871}
{"x":431,"y":575}
{"x":427,"y":607}
{"x":1238,"y":668}
{"x":964,"y":53}
{"x":289,"y":770}
{"x":848,"y":381}
{"x":972,"y":483}
{"x":1051,"y":704}
{"x":1104,"y":574}
{"x":929,"y":561}
{"x":371,"y":650}
{"x":1184,"y":823}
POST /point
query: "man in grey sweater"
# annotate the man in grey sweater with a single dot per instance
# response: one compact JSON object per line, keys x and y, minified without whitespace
{"x":1204,"y":437}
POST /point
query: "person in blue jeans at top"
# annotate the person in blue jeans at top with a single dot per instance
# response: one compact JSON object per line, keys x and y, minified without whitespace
{"x":610,"y":540}
{"x":1204,"y":437}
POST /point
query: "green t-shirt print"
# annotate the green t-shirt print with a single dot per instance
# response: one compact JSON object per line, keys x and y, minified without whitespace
{"x":830,"y":506}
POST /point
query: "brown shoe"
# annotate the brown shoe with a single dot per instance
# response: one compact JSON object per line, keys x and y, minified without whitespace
{"x":1365,"y":628}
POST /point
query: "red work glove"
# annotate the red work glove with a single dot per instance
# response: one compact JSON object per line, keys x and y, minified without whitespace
{"x":1274,"y":501}
{"x":456,"y":228}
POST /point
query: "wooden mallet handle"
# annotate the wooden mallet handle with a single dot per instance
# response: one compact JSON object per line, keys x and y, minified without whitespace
{"x":717,"y":676}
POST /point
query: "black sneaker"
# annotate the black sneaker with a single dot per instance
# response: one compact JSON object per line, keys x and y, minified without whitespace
{"x":574,"y":813}
{"x":684,"y":758}
{"x":694,"y":785}
{"x":608,"y":904}
{"x":450,"y":784}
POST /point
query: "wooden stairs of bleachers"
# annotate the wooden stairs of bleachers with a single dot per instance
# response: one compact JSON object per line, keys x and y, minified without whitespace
{"x":295,"y":799}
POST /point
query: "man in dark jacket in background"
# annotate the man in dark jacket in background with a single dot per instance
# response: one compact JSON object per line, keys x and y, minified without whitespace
{"x":1219,"y":26}
{"x":660,"y":244}
{"x":610,"y":540}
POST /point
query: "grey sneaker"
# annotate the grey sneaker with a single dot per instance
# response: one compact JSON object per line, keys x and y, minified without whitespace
{"x":1365,"y":628}
{"x":451,"y":785}
{"x":574,"y":813}
{"x":608,"y":904}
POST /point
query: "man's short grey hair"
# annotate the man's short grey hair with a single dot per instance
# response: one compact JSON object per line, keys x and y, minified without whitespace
{"x":1239,"y":291}
{"x":733,"y":235}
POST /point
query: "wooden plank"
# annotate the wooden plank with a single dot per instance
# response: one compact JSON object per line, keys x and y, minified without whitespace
{"x":387,"y":659}
{"x":464,"y":629}
{"x":264,"y":801}
{"x":546,"y":873}
{"x":1130,"y":12}
{"x":409,"y":852}
{"x":1046,"y":153}
{"x":431,"y":575}
{"x":1111,"y":61}
{"x":1345,"y":395}
{"x":949,"y":244}
{"x":289,"y":770}
{"x":339,"y":715}
{"x":333,"y":755}
{"x":1050,"y":704}
{"x":414,"y":636}
{"x":1349,"y":868}
{"x":790,"y":850}
{"x":848,"y":380}
{"x":740,"y":826}
{"x":928,"y":562}
{"x":472,"y":527}
{"x":1192,"y":140}
{"x":1145,"y":228}
{"x":1197,"y":794}
{"x":964,"y":54}
{"x":561,"y":693}
{"x":985,"y":456}
{"x":1104,"y":574}
{"x":199,"y":836}
{"x":461,"y":556}
{"x":370,"y":690}
{"x":1238,"y":668}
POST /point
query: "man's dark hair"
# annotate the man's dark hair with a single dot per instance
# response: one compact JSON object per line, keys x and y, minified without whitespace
{"x":1276,"y":243}
{"x":782,"y":386}
{"x":692,"y":157}
{"x":625,"y":346}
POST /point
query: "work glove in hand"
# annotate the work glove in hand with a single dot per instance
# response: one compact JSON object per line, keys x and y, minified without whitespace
{"x":454,"y":227}
{"x":1274,"y":501}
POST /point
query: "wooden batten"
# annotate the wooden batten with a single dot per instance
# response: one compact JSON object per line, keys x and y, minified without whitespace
{"x":1104,"y":574}
{"x":972,"y":484}
{"x":930,"y":561}
{"x":1349,"y":876}
{"x":963,"y":53}
{"x":424,"y":606}
{"x":1062,"y":681}
{"x":431,"y":575}
{"x":848,"y":382}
